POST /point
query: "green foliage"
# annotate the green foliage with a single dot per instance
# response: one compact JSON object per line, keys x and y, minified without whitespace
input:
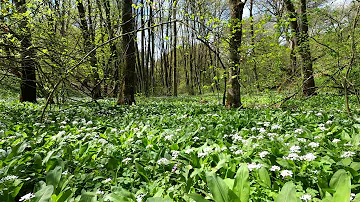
{"x":178,"y":149}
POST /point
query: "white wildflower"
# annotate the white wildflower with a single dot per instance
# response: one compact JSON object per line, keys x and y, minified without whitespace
{"x":352,"y":196}
{"x":263,"y":154}
{"x":89,"y":123}
{"x":286,"y":173}
{"x":329,"y":122}
{"x":306,"y":197}
{"x":274,"y":168}
{"x":299,"y":131}
{"x":8,"y":178}
{"x":295,"y":149}
{"x":169,"y":137}
{"x":163,"y":161}
{"x":319,"y":114}
{"x":223,"y":148}
{"x":308,"y":157}
{"x":175,"y":154}
{"x":99,"y":192}
{"x":292,"y":156}
{"x":149,"y":146}
{"x":27,"y":197}
{"x":336,"y":140}
{"x":140,"y":197}
{"x":314,"y":144}
{"x":237,"y":152}
{"x":202,"y":154}
{"x":107,"y":180}
{"x":275,"y":127}
{"x":266,"y":124}
{"x":347,"y":154}
{"x":126,"y":160}
{"x":253,"y":166}
{"x":348,"y":145}
{"x":188,"y":151}
{"x":196,"y":138}
{"x":301,"y":139}
{"x":233,"y":148}
{"x":262,"y":130}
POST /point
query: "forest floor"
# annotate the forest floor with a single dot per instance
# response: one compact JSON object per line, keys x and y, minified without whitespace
{"x":181,"y":149}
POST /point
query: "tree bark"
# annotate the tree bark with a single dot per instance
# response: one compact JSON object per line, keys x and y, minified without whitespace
{"x":127,"y":92}
{"x":28,"y":64}
{"x":175,"y":49}
{"x":233,"y":93}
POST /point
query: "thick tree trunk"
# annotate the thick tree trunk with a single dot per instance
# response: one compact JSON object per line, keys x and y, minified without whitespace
{"x":127,"y":92}
{"x":307,"y":68}
{"x":233,"y":93}
{"x":299,"y":27}
{"x":28,"y":64}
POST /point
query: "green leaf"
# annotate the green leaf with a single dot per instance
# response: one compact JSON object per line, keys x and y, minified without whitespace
{"x":218,"y":187}
{"x":158,"y":199}
{"x":242,"y":184}
{"x":44,"y":194}
{"x":264,"y":176}
{"x":288,"y":193}
{"x":197,"y":197}
{"x":53,"y":177}
{"x":341,"y":182}
{"x":88,"y":197}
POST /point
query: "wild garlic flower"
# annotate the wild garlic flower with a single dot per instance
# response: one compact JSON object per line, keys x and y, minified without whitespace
{"x":140,"y":197}
{"x":329,"y":122}
{"x":27,"y":197}
{"x":175,"y":154}
{"x":262,"y":130}
{"x":202,"y":154}
{"x":275,"y":127}
{"x":336,"y":140}
{"x":237,"y":152}
{"x":295,"y":149}
{"x":163,"y":161}
{"x":308,"y":157}
{"x":169,"y":137}
{"x":347,"y":154}
{"x":126,"y":160}
{"x":263,"y":154}
{"x":352,"y":196}
{"x":291,"y":156}
{"x":274,"y":168}
{"x":286,"y":173}
{"x":99,"y":192}
{"x":188,"y":151}
{"x":8,"y":178}
{"x":299,"y":131}
{"x":107,"y":180}
{"x":306,"y":197}
{"x":314,"y":144}
{"x":253,"y":166}
{"x":301,"y":139}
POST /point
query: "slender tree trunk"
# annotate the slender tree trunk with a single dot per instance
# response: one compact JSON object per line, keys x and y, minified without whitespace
{"x":28,"y":64}
{"x":233,"y":93}
{"x":175,"y":49}
{"x":127,"y":93}
{"x":252,"y":43}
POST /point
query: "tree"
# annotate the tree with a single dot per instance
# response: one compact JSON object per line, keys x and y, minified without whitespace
{"x":300,"y":28}
{"x":127,"y":92}
{"x":236,"y":13}
{"x":28,"y":63}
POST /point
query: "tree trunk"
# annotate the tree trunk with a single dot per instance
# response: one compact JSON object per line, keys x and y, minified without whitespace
{"x":175,"y":40}
{"x":28,"y":64}
{"x":233,"y":93}
{"x":127,"y":92}
{"x":307,"y":68}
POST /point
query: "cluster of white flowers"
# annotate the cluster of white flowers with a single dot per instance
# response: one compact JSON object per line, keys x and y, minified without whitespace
{"x":348,"y":145}
{"x":8,"y":178}
{"x":27,"y":197}
{"x":188,"y":151}
{"x":168,"y":137}
{"x":295,"y":149}
{"x":99,"y":192}
{"x":329,"y":122}
{"x":352,"y":196}
{"x":286,"y":173}
{"x":253,"y":166}
{"x":291,"y":156}
{"x":301,"y":139}
{"x":163,"y":161}
{"x":308,"y":157}
{"x":322,"y":127}
{"x":175,"y":154}
{"x":314,"y":144}
{"x":306,"y":197}
{"x":336,"y":140}
{"x":299,"y":131}
{"x":139,"y":198}
{"x":275,"y":127}
{"x":347,"y":154}
{"x":237,"y":152}
{"x":264,"y":154}
{"x":107,"y":180}
{"x":126,"y":160}
{"x":274,"y":168}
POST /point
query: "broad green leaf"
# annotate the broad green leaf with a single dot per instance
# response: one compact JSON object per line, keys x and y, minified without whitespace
{"x":44,"y":194}
{"x":341,"y":182}
{"x":287,"y":193}
{"x":242,"y":184}
{"x":53,"y":177}
{"x":264,"y":176}
{"x":158,"y":199}
{"x":88,"y":197}
{"x":218,"y":187}
{"x":198,"y":198}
